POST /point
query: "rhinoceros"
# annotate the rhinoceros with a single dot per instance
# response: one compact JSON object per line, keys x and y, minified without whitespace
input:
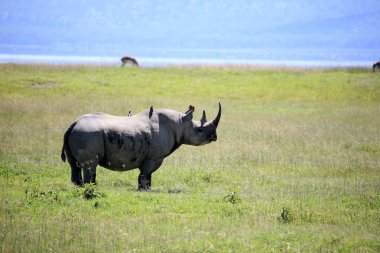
{"x":123,"y":143}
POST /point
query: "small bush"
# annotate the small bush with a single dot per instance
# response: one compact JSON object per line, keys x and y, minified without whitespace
{"x":91,"y":192}
{"x":233,"y":197}
{"x":286,"y":215}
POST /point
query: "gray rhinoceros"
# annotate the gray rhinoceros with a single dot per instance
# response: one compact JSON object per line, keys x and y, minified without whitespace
{"x":136,"y":141}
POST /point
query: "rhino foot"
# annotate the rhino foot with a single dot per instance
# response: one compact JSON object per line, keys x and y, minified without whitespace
{"x":144,"y":182}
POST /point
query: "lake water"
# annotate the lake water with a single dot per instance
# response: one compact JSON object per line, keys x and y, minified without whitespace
{"x":159,"y":61}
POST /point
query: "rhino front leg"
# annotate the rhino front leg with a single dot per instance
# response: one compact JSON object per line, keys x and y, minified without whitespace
{"x":143,"y":182}
{"x":146,"y":170}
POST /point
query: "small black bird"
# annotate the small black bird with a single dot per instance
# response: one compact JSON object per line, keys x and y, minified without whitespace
{"x":129,"y":114}
{"x":151,"y":111}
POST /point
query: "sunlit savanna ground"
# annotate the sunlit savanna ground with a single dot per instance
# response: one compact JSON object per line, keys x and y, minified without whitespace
{"x":296,"y":167}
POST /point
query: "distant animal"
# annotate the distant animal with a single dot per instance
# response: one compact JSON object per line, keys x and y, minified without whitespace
{"x":129,"y":60}
{"x":124,"y":143}
{"x":376,"y":67}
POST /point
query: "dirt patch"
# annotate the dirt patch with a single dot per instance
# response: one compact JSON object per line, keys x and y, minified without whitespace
{"x":44,"y":85}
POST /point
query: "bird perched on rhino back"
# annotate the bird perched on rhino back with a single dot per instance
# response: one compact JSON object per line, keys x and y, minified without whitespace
{"x":123,"y":143}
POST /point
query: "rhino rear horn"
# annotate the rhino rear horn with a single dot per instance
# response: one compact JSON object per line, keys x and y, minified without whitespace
{"x":215,"y":122}
{"x":203,"y":119}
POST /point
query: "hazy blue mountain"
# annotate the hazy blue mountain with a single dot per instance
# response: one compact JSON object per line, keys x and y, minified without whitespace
{"x":197,"y":28}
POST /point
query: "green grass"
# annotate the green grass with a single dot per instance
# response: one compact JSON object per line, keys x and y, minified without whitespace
{"x":296,"y":167}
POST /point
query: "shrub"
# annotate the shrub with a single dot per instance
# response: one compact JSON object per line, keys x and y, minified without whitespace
{"x":91,"y":192}
{"x":286,"y":215}
{"x":233,"y":197}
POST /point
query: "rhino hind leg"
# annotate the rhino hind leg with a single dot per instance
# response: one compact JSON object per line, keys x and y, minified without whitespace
{"x":89,"y":173}
{"x":76,"y":176}
{"x":76,"y":172}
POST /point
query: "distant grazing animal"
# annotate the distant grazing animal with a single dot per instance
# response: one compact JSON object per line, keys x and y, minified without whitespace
{"x":139,"y":141}
{"x":129,"y":60}
{"x":376,"y":67}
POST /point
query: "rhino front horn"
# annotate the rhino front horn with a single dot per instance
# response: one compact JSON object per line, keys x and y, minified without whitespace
{"x":215,"y":122}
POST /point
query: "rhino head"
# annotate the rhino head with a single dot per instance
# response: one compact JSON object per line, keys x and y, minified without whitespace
{"x":201,"y":132}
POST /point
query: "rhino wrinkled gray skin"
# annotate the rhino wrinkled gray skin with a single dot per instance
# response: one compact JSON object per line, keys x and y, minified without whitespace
{"x":136,"y":141}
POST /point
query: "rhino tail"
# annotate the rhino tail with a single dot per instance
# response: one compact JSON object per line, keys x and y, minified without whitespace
{"x":65,"y":139}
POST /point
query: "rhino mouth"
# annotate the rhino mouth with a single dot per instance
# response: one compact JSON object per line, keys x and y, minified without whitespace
{"x":213,"y":138}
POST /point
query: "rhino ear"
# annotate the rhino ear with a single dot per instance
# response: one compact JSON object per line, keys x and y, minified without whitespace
{"x":191,"y":109}
{"x":189,"y":113}
{"x":203,"y":119}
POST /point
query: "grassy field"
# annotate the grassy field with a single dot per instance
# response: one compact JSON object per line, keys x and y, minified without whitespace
{"x":296,"y":167}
